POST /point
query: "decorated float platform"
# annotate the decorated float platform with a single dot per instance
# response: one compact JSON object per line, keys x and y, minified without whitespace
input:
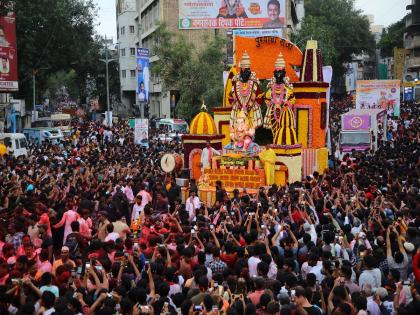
{"x":296,"y":113}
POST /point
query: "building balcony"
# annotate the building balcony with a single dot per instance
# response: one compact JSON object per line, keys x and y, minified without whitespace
{"x":412,"y":21}
{"x":413,"y":62}
{"x":412,"y":42}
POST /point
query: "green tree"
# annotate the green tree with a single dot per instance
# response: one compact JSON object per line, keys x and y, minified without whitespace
{"x":340,"y":29}
{"x":55,"y":36}
{"x":392,"y":37}
{"x":324,"y":35}
{"x":197,"y":75}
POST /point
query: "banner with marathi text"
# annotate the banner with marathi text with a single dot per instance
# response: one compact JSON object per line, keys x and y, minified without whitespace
{"x":264,"y":50}
{"x":383,"y":94}
{"x":231,"y":14}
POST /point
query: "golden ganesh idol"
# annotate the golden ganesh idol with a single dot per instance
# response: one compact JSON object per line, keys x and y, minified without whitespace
{"x":241,"y":133}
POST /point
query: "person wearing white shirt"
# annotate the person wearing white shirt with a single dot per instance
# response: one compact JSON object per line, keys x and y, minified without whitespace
{"x":308,"y":266}
{"x":370,"y":276}
{"x":137,"y":208}
{"x":310,"y":229}
{"x":253,"y":262}
{"x":207,"y":154}
{"x":192,"y":203}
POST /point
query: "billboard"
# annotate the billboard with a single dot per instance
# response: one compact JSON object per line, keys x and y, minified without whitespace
{"x":204,"y":14}
{"x":8,"y":53}
{"x":141,"y":131}
{"x":356,"y":122}
{"x":143,"y":75}
{"x":383,"y":94}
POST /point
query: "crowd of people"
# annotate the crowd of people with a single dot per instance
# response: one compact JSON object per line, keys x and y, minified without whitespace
{"x":92,"y":225}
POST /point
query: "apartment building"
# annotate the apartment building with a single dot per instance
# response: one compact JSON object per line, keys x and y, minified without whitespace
{"x":137,"y":23}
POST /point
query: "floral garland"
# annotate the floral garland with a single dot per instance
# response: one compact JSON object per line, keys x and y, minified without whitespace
{"x":282,"y":98}
{"x":244,"y":97}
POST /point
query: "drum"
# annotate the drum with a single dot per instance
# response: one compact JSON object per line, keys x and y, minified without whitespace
{"x":171,"y":162}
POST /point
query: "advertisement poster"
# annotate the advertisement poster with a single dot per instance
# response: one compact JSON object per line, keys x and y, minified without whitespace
{"x":383,"y":94}
{"x":143,"y":75}
{"x":8,"y":53}
{"x":409,"y":93}
{"x":351,"y":76}
{"x":141,"y":131}
{"x":204,"y":14}
{"x":356,"y":122}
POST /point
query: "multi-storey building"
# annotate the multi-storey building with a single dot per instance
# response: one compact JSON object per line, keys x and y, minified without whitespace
{"x":127,"y":35}
{"x":143,"y":17}
{"x":412,"y":41}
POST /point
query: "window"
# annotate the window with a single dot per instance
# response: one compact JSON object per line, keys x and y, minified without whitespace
{"x":123,"y":30}
{"x":132,"y":51}
{"x":133,"y":73}
{"x":132,"y":29}
{"x":123,"y":74}
{"x":23,"y":143}
{"x":122,"y":52}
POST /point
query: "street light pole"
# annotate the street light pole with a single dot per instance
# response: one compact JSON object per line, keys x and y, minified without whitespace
{"x":34,"y":72}
{"x":107,"y":61}
{"x":33,"y":90}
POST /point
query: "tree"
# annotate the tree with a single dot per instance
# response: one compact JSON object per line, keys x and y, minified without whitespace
{"x":324,"y":35}
{"x":197,"y":75}
{"x":340,"y":29}
{"x":392,"y":37}
{"x":56,"y":36}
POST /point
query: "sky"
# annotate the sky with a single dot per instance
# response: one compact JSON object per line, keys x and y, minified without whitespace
{"x":106,"y":21}
{"x":386,"y":12}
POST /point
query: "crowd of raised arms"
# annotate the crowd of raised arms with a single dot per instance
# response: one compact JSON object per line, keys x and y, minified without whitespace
{"x":342,"y":243}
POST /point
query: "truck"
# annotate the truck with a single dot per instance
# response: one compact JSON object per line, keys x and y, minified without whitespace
{"x":15,"y":143}
{"x":57,"y":120}
{"x":39,"y":135}
{"x":168,"y":128}
{"x":361,"y":129}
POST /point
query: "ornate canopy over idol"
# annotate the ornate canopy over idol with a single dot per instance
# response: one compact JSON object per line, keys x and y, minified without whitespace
{"x":203,"y":123}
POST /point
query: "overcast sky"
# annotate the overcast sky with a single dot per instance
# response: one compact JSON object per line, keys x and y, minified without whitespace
{"x":385,"y":11}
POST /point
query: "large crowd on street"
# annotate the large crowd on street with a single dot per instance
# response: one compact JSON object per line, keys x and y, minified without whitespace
{"x":344,"y":242}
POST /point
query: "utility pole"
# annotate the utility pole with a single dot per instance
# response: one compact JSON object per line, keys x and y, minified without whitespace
{"x":33,"y":90}
{"x":107,"y":61}
{"x":34,"y":72}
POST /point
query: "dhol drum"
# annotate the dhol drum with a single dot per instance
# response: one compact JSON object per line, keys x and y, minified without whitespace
{"x":171,"y":162}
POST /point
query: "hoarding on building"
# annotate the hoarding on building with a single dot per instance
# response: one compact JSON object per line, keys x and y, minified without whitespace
{"x":383,"y":94}
{"x":8,"y":54}
{"x":204,"y":14}
{"x":143,"y":75}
